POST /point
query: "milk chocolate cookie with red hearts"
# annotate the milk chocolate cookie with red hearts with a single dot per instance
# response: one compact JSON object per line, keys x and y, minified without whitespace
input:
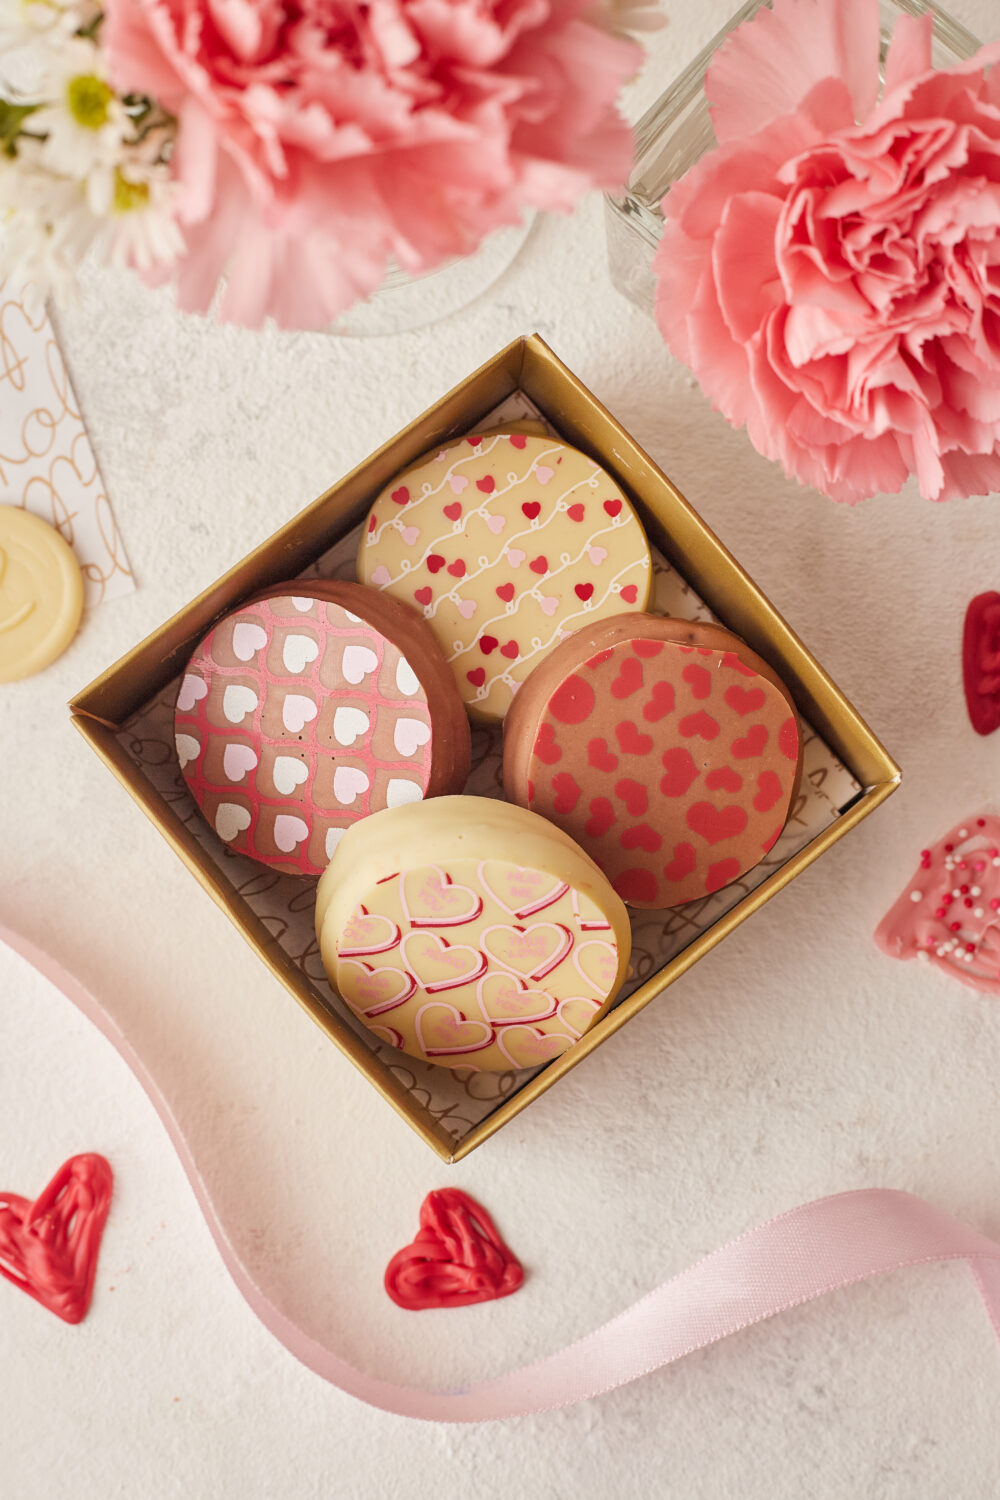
{"x":310,"y":707}
{"x":667,"y":749}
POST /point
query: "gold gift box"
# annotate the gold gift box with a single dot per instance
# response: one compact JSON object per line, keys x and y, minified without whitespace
{"x":529,"y":366}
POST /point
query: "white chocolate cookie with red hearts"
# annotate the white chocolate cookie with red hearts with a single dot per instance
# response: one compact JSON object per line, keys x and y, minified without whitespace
{"x":471,"y":934}
{"x":508,"y":542}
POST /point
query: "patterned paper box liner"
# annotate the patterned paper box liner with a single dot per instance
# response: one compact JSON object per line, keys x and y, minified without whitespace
{"x":459,"y":1100}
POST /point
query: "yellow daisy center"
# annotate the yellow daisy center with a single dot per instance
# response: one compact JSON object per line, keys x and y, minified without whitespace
{"x":129,"y":196}
{"x":88,"y":98}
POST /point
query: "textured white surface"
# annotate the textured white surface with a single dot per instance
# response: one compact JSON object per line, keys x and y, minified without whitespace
{"x":793,"y":1061}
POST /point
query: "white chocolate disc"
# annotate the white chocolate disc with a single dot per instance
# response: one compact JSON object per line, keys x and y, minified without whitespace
{"x":41,"y":593}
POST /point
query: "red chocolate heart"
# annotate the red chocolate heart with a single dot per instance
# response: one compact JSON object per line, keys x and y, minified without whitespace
{"x":487,"y":484}
{"x":699,"y":680}
{"x":768,"y":791}
{"x":423,"y":596}
{"x":539,"y":565}
{"x":701,"y":725}
{"x":599,"y":756}
{"x":517,"y":440}
{"x":629,"y":679}
{"x":715,"y":825}
{"x":477,"y":676}
{"x":488,"y":643}
{"x":505,"y":591}
{"x":752,"y":744}
{"x":633,"y":794}
{"x":511,"y":650}
{"x":567,"y":792}
{"x":630,"y":740}
{"x":682,"y":864}
{"x":745,"y":700}
{"x":453,"y":511}
{"x":981,"y":662}
{"x":457,"y":1257}
{"x":457,"y":568}
{"x":681,"y":771}
{"x":435,"y":562}
{"x":583,"y":591}
{"x":576,"y":512}
{"x":661,"y":703}
{"x":49,"y":1248}
{"x":629,"y":593}
{"x":402,"y":495}
{"x":602,"y":816}
{"x":612,"y":507}
{"x":531,"y":509}
{"x":545,"y":745}
{"x":642,"y":837}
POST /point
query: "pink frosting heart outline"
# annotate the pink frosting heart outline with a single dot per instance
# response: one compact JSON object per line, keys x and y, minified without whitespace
{"x":608,"y":948}
{"x":435,"y":986}
{"x":407,"y":989}
{"x":565,"y":941}
{"x":458,"y":1020}
{"x":457,"y":919}
{"x":548,"y":898}
{"x":522,"y":994}
{"x":550,"y":1044}
{"x":365,"y":919}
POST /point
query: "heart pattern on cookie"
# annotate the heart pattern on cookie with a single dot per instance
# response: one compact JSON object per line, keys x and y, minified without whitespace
{"x":187,"y":747}
{"x":443,"y":1030}
{"x":297,"y":652}
{"x":238,"y":760}
{"x":431,"y":899}
{"x":437,"y":964}
{"x":289,"y":832}
{"x":297,"y":711}
{"x":367,"y":933}
{"x":238,"y":701}
{"x":463,"y":932}
{"x":230,"y":820}
{"x":517,"y":526}
{"x":248,"y":639}
{"x":350,"y":724}
{"x":287,"y":772}
{"x":373,"y":991}
{"x":298,"y":698}
{"x":648,"y":751}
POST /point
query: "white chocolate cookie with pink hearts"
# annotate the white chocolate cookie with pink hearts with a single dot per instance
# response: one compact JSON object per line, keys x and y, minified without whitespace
{"x":470,"y":933}
{"x":508,"y":542}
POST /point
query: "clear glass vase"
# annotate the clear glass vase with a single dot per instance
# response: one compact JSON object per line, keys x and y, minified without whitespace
{"x":677,"y":129}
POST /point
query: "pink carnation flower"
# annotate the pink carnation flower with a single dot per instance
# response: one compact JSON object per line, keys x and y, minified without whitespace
{"x":316,"y":138}
{"x":835,"y":285}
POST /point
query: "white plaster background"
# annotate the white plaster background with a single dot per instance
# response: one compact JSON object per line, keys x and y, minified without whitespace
{"x":793,"y":1061}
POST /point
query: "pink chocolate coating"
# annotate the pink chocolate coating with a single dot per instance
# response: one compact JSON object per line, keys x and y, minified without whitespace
{"x":949,"y":913}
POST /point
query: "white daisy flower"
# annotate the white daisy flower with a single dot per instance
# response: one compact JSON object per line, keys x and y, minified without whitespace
{"x":144,"y":217}
{"x":46,"y":225}
{"x":83,"y":120}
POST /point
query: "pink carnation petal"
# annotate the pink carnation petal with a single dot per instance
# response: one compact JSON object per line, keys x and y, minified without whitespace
{"x":910,"y":50}
{"x":769,"y":64}
{"x":743,"y":263}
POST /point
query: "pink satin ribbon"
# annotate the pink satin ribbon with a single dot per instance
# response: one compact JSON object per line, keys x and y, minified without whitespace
{"x":794,"y":1258}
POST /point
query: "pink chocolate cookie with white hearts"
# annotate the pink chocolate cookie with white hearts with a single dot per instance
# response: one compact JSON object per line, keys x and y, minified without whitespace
{"x":667,"y":749}
{"x":311,"y":706}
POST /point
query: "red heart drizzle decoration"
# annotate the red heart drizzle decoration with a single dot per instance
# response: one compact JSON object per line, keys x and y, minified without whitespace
{"x":457,"y":1257}
{"x":981,"y":662}
{"x":49,"y":1248}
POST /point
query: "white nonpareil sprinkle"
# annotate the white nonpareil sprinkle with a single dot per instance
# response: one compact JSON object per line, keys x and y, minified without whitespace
{"x":916,"y":895}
